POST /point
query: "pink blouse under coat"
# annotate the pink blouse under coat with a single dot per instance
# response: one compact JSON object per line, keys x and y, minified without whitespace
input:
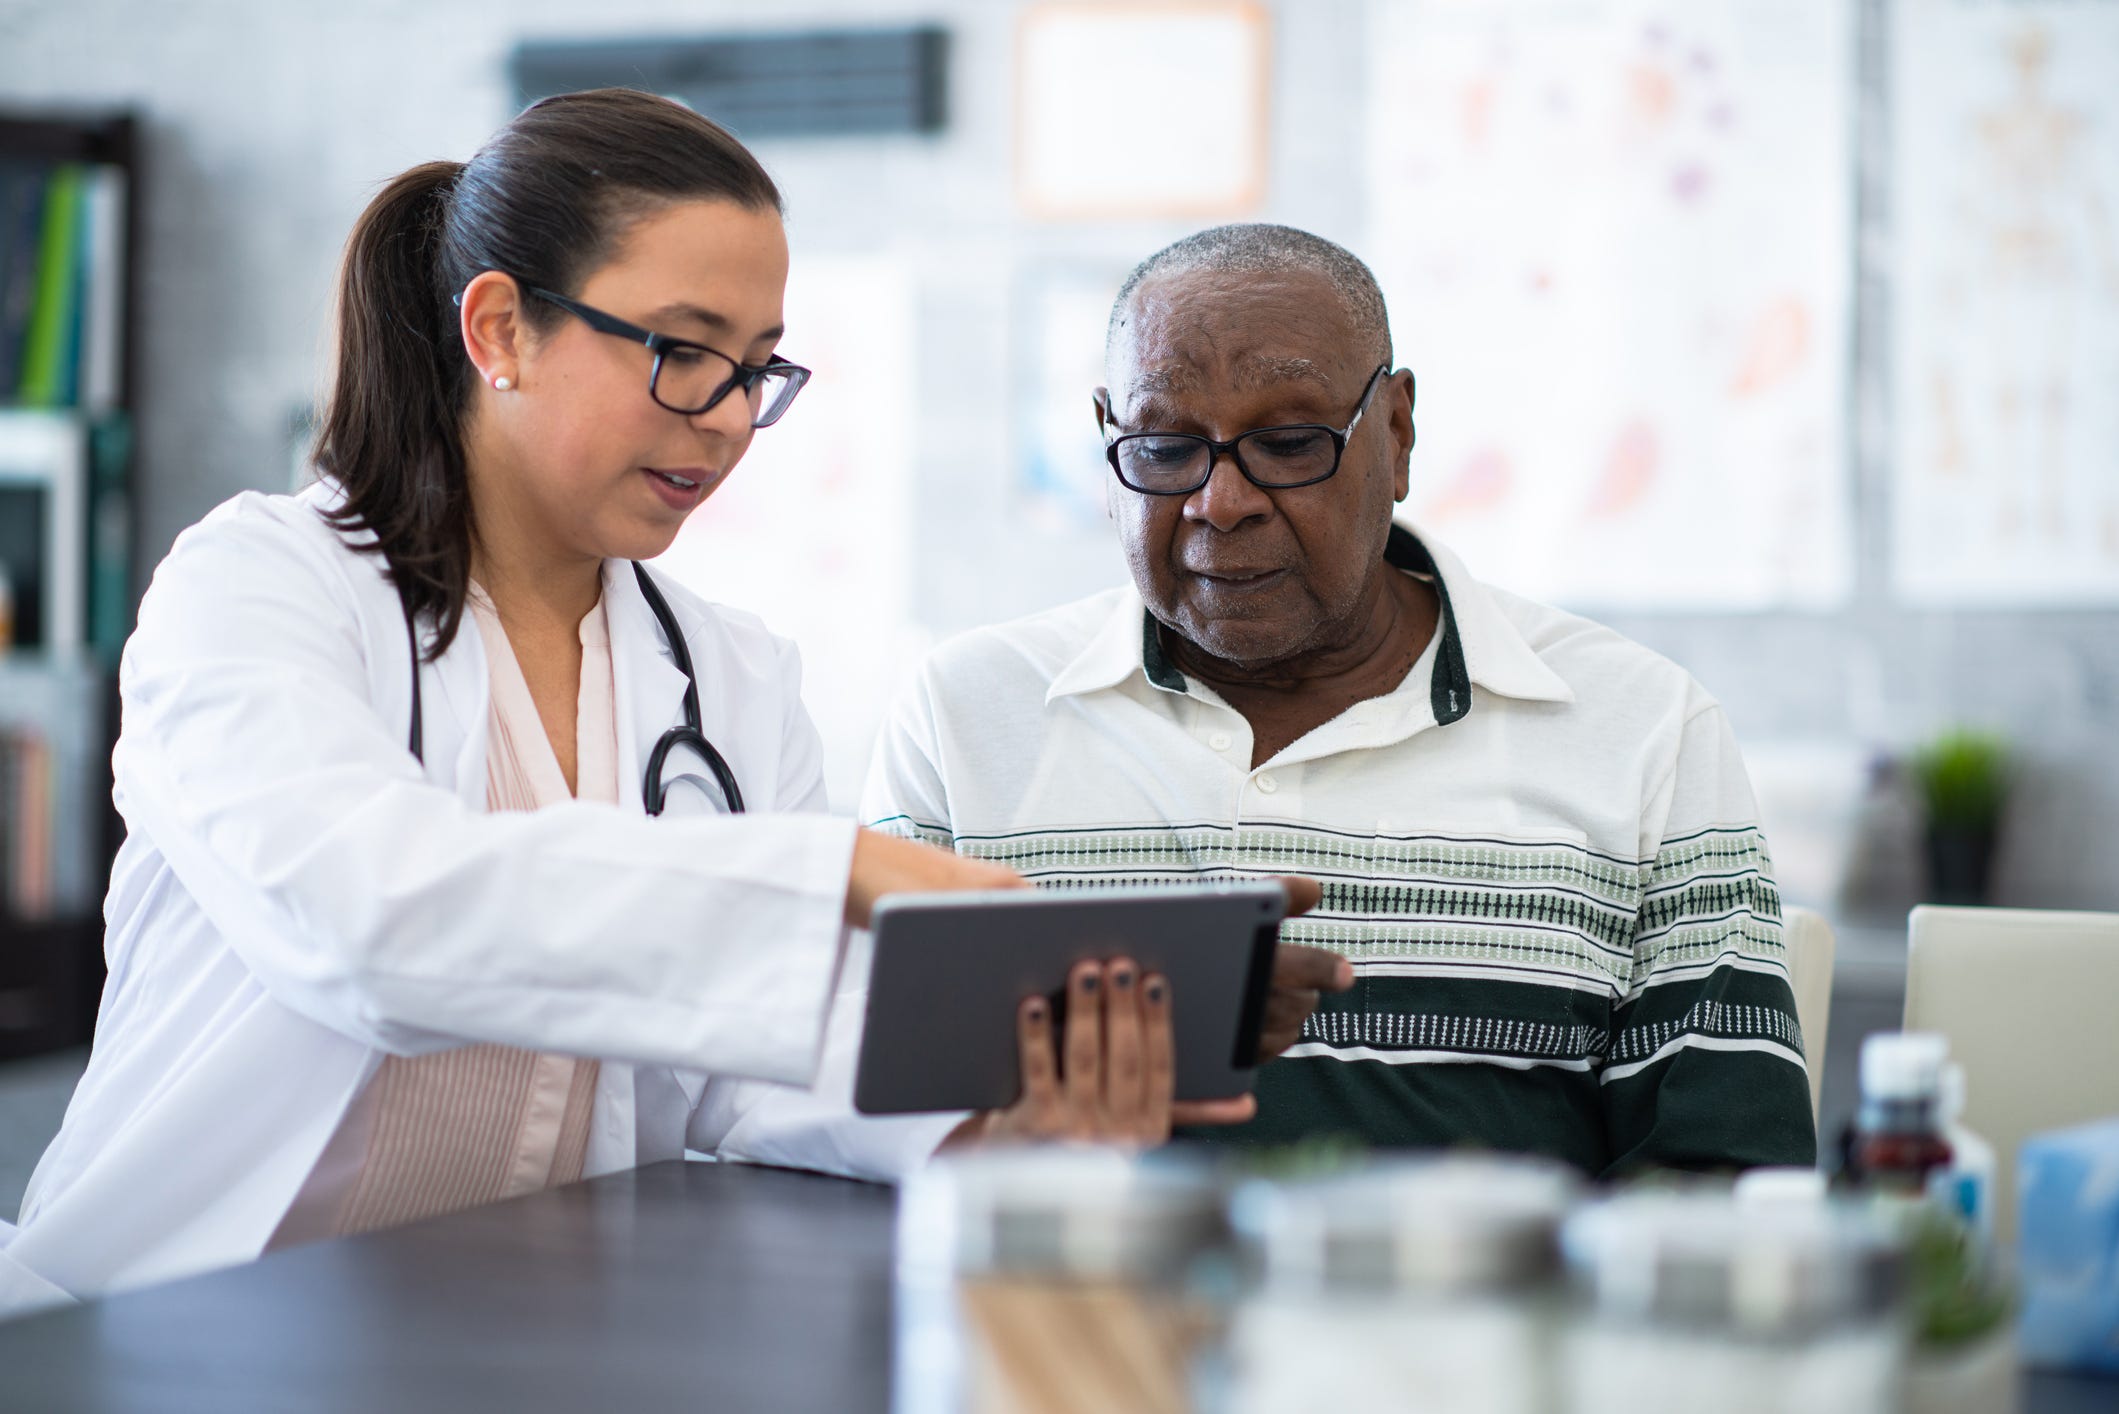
{"x":435,"y":1133}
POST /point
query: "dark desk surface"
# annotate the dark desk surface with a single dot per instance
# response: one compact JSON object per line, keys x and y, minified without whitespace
{"x":678,"y":1286}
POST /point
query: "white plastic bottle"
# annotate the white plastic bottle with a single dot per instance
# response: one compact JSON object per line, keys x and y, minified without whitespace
{"x":1965,"y":1185}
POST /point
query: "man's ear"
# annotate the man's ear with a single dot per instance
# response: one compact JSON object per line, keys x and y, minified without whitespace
{"x":1403,"y":433}
{"x":491,"y":322}
{"x":1101,"y":398}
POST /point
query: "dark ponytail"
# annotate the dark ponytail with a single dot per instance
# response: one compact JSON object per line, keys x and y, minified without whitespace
{"x":391,"y":436}
{"x":546,"y":201}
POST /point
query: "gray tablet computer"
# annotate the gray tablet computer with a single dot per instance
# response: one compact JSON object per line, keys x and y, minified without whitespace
{"x":950,"y":970}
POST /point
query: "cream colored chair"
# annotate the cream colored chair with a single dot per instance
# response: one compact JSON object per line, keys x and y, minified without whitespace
{"x":1810,"y":951}
{"x":2030,"y":1003}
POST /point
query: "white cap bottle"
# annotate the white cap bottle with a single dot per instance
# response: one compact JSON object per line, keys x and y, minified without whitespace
{"x":1898,"y":1140}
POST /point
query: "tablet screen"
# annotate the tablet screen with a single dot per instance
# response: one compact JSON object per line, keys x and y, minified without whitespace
{"x":950,"y":970}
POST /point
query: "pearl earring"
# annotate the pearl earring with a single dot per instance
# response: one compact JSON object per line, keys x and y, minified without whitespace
{"x":503,"y":383}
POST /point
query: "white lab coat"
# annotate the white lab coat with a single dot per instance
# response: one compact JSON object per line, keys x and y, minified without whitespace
{"x":297,"y":898}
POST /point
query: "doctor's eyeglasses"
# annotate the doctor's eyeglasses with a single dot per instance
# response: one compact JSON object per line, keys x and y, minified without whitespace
{"x":691,"y":378}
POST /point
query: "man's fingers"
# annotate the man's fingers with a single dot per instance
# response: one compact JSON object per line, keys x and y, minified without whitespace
{"x":1124,"y":1096}
{"x":1083,"y":1083}
{"x":1285,"y":1014}
{"x":1301,"y":975}
{"x":1235,"y":1111}
{"x":1304,"y":894}
{"x":1292,"y":1008}
{"x":1159,"y":1056}
{"x":1033,"y":1039}
{"x":1297,"y":968}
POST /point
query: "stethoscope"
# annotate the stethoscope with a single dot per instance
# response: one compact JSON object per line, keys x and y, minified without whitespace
{"x":691,"y":734}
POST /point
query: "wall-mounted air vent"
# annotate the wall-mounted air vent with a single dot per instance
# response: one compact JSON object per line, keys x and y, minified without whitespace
{"x":818,"y":83}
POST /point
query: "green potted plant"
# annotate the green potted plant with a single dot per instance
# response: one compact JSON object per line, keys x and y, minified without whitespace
{"x":1963,"y":1354}
{"x":1964,"y":782}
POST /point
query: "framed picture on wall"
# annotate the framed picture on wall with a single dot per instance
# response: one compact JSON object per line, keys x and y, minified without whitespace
{"x":1614,"y":240}
{"x":1061,"y":312}
{"x":2004,"y":174}
{"x":1093,"y":79}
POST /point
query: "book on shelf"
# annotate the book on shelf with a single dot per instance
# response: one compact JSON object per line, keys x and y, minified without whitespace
{"x":44,"y":527}
{"x":54,"y":786}
{"x":109,"y":536}
{"x":100,"y":360}
{"x":26,"y":806}
{"x":22,"y":187}
{"x":62,"y":284}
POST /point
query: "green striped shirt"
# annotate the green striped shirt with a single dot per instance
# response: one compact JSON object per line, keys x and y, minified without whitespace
{"x":1540,"y":853}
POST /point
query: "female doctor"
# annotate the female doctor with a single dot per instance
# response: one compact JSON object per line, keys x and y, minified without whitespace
{"x":391,"y":747}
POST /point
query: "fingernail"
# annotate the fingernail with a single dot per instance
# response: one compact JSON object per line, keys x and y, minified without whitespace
{"x":1155,"y":991}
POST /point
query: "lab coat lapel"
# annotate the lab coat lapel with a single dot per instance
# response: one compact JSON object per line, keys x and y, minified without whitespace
{"x":648,"y":698}
{"x":458,"y":700}
{"x":648,"y":686}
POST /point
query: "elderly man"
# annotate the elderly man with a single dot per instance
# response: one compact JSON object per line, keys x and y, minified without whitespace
{"x":1537,"y":843}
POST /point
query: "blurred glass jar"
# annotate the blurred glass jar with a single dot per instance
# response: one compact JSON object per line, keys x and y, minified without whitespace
{"x":1409,"y":1284}
{"x":1697,"y":1300}
{"x":1052,"y":1280}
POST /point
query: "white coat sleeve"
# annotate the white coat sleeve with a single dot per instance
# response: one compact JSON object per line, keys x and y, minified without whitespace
{"x":819,"y":1128}
{"x":378,"y":904}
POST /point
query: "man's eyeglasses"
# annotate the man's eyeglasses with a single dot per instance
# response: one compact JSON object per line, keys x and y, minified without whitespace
{"x":692,"y":378}
{"x":1276,"y":458}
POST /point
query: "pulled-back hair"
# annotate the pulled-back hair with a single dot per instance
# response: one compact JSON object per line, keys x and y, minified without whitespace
{"x":546,"y":201}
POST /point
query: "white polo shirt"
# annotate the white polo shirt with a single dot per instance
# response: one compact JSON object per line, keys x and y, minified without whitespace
{"x":1540,"y":852}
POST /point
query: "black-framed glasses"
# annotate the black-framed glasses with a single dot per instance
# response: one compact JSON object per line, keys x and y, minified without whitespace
{"x":691,"y":378}
{"x":1275,"y":458}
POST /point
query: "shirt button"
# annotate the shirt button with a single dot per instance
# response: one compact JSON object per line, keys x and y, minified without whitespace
{"x":1220,"y":741}
{"x":1268,"y":785}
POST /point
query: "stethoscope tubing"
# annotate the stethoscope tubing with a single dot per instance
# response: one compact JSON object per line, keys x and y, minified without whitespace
{"x":691,"y":734}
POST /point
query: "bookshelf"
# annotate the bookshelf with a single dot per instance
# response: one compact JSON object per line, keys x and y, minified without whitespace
{"x":70,"y":204}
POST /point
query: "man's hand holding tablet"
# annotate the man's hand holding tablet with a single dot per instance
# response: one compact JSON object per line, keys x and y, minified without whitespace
{"x":1301,"y":977}
{"x":1103,"y":1059}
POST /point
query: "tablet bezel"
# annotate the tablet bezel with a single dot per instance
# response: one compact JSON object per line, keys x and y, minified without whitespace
{"x":948,"y":971}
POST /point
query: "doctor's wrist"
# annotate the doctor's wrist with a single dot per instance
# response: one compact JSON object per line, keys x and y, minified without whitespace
{"x":884,"y":864}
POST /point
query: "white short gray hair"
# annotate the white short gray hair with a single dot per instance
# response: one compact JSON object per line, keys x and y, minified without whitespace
{"x":1255,"y":248}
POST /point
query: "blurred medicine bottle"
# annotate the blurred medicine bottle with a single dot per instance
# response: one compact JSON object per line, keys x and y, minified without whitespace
{"x":1898,"y":1140}
{"x":1054,"y":1280}
{"x":1404,"y":1285}
{"x":1697,"y":1299}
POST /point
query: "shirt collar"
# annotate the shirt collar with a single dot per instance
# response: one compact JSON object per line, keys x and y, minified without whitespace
{"x":1479,"y":644}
